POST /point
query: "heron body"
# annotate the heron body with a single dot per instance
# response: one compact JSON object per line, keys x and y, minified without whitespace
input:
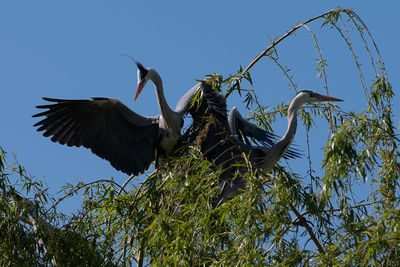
{"x":169,"y":122}
{"x":231,"y":135}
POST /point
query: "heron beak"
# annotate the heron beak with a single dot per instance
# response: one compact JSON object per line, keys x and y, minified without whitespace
{"x":138,"y":90}
{"x":327,"y":98}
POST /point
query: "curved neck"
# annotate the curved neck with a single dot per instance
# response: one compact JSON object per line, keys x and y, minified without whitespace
{"x":165,"y":110}
{"x":283,"y":144}
{"x":292,"y":122}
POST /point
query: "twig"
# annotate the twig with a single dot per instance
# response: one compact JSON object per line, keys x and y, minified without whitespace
{"x":350,"y":207}
{"x":274,"y":43}
{"x":380,"y":60}
{"x":285,"y":72}
{"x":140,"y":255}
{"x":126,"y":182}
{"x":350,"y":46}
{"x":304,"y":223}
{"x":74,"y":190}
{"x":323,"y":71}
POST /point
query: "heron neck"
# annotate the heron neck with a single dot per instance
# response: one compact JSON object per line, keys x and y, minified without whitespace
{"x":165,"y":110}
{"x":292,"y":123}
{"x":283,"y":144}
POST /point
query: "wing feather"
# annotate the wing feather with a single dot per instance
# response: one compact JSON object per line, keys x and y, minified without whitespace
{"x":244,"y":130}
{"x":185,"y":102}
{"x":212,"y":100}
{"x":106,"y":126}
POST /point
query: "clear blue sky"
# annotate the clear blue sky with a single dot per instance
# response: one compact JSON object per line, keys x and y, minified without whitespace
{"x":71,"y":49}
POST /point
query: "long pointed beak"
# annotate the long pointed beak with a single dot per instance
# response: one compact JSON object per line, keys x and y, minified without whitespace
{"x":327,"y":98}
{"x":138,"y":90}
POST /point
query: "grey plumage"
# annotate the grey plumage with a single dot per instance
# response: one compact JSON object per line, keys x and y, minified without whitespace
{"x":129,"y":141}
{"x":229,"y":136}
{"x":106,"y":126}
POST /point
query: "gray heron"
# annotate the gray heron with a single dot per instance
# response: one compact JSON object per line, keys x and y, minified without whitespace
{"x":229,"y":136}
{"x":129,"y":141}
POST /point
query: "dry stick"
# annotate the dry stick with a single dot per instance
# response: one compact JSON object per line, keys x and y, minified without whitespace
{"x":383,"y":70}
{"x":350,"y":44}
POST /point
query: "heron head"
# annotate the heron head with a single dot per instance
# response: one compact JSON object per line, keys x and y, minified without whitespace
{"x":143,"y":77}
{"x":311,"y":96}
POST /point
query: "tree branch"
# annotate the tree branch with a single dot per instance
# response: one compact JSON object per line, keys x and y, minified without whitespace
{"x":304,"y":223}
{"x":274,"y":43}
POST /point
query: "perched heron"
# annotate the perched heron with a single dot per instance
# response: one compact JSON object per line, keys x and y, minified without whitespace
{"x":228,"y":138}
{"x":129,"y":141}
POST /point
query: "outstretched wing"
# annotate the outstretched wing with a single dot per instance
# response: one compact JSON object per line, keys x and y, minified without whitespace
{"x":216,"y":103}
{"x":109,"y":128}
{"x":185,"y":102}
{"x":211,"y":100}
{"x":246,"y":131}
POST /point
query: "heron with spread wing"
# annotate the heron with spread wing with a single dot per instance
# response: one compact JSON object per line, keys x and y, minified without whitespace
{"x":112,"y":131}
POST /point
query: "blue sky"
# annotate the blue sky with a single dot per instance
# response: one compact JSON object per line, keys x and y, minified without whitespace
{"x":71,"y":49}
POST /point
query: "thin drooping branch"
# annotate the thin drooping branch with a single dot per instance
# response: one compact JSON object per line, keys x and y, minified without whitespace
{"x":81,"y":186}
{"x":132,"y":177}
{"x":323,"y":71}
{"x":353,"y":15}
{"x":321,"y":59}
{"x":274,"y":43}
{"x":285,"y":72}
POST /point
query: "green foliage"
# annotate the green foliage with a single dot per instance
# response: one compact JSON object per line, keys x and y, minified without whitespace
{"x":17,"y":246}
{"x":172,"y":217}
